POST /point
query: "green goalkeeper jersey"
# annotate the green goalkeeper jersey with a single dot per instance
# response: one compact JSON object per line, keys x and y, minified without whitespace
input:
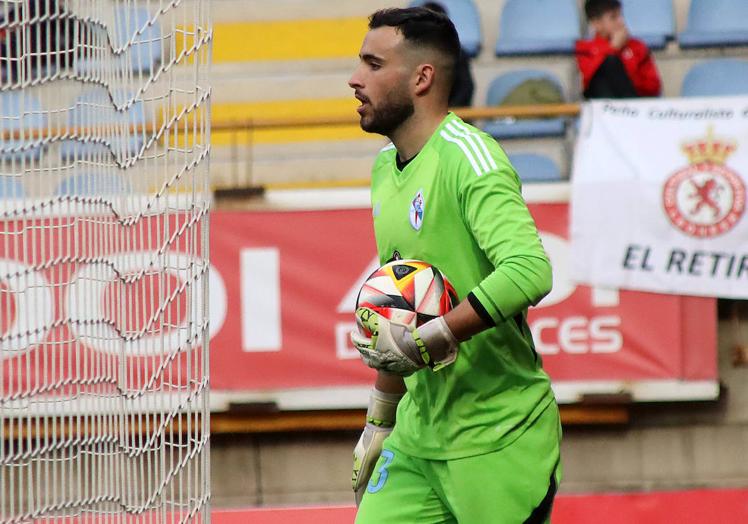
{"x":458,"y":206}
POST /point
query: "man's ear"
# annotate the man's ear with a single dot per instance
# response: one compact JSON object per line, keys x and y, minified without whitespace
{"x":424,"y":78}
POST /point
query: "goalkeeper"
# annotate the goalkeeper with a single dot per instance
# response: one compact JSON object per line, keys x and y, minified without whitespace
{"x":477,"y":433}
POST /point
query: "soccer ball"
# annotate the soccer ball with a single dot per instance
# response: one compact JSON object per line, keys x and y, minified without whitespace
{"x":407,"y":292}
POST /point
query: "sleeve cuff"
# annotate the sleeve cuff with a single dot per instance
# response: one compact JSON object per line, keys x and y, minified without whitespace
{"x":504,"y":300}
{"x":478,"y":307}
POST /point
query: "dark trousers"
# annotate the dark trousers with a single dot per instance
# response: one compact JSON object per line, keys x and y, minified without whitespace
{"x":611,"y":81}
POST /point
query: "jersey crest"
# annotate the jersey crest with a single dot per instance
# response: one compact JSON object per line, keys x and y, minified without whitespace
{"x":417,"y":207}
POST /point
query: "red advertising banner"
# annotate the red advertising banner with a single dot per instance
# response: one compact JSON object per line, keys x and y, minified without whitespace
{"x":77,"y":296}
{"x":291,"y":279}
{"x":282,"y":289}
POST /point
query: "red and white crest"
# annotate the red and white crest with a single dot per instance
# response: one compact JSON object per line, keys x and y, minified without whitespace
{"x":707,"y":198}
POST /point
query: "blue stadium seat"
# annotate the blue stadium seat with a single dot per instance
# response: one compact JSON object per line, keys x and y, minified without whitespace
{"x":11,"y":187}
{"x":531,"y":27}
{"x":532,"y":167}
{"x":464,"y":15}
{"x":717,"y":77}
{"x":134,"y":29}
{"x":652,"y":21}
{"x":94,"y":109}
{"x":498,"y":90}
{"x":716,"y":23}
{"x":18,"y":112}
{"x":93,"y":184}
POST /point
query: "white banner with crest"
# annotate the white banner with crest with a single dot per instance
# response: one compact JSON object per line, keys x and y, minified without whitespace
{"x":658,"y":196}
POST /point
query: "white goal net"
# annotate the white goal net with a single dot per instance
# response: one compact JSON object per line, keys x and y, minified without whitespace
{"x":104,"y":199}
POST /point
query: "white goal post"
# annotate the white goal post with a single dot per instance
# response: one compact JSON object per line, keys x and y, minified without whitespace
{"x":104,"y":202}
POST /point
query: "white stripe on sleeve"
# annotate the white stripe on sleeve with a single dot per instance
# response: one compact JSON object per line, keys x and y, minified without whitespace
{"x":480,"y":141}
{"x":469,"y":140}
{"x":449,"y":138}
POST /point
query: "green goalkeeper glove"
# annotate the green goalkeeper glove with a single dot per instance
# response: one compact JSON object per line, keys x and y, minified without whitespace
{"x":380,"y":419}
{"x":400,"y":350}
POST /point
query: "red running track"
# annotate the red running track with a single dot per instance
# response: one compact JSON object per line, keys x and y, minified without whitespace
{"x":703,"y":506}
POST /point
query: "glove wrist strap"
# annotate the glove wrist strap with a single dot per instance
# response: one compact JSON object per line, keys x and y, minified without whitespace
{"x":382,"y":408}
{"x":438,"y":346}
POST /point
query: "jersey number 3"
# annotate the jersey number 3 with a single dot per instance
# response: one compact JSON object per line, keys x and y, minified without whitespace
{"x":387,"y":455}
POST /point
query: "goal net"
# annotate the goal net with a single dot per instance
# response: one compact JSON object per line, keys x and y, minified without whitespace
{"x":104,"y":199}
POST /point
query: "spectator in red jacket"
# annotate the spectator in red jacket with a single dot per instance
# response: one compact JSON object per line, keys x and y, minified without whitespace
{"x":612,"y":64}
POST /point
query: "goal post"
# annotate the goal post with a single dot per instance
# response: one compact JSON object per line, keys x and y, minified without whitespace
{"x":104,"y":263}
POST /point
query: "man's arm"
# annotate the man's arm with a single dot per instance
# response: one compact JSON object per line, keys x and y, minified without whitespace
{"x":643,"y":71}
{"x":380,"y":419}
{"x":496,"y":213}
{"x":464,"y":321}
{"x":389,"y":383}
{"x":590,"y":55}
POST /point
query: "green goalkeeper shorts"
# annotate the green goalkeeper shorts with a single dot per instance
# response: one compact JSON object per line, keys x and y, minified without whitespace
{"x":513,"y":485}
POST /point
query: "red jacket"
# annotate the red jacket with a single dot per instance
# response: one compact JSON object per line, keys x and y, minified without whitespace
{"x":636,"y":59}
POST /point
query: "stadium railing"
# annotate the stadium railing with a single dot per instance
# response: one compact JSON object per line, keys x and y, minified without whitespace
{"x":240,"y":182}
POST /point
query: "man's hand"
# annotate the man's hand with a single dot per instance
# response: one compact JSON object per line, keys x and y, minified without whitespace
{"x":619,"y":38}
{"x":397,"y":349}
{"x":380,"y":419}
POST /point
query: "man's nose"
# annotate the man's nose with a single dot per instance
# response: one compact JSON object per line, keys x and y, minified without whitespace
{"x":354,"y":81}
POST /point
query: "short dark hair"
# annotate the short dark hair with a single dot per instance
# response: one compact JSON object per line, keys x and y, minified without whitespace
{"x":435,"y":6}
{"x":597,"y":8}
{"x":422,"y":27}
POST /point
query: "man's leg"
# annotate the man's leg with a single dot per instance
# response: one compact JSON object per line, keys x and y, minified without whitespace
{"x":611,"y":81}
{"x":400,"y":493}
{"x":514,"y":485}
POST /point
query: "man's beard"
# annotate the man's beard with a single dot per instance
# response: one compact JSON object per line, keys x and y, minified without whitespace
{"x":395,"y":110}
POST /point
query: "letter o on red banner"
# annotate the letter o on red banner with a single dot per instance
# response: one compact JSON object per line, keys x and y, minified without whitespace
{"x":34,"y":308}
{"x":85,"y":298}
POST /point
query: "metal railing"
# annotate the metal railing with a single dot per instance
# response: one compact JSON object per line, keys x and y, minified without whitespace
{"x":243,"y":184}
{"x":242,"y":154}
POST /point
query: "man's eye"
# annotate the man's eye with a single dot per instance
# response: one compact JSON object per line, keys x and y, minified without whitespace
{"x":375,"y":66}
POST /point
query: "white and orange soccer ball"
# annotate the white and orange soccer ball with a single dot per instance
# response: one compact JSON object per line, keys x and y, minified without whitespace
{"x":407,"y":292}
